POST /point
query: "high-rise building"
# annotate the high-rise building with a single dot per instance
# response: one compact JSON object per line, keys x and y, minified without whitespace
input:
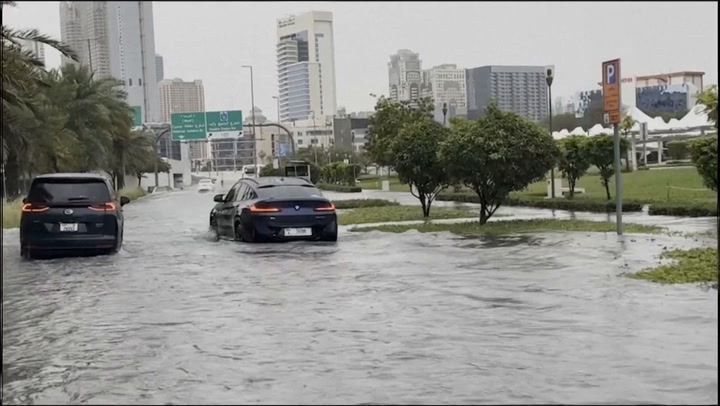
{"x":159,"y":68}
{"x":306,"y":66}
{"x":406,"y":78}
{"x":446,"y":85}
{"x":177,"y":96}
{"x":518,"y":89}
{"x":116,"y":39}
{"x":558,"y":106}
{"x":37,"y":49}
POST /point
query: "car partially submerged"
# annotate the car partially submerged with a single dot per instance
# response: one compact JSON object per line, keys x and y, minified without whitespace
{"x":76,"y":213}
{"x":274,"y":209}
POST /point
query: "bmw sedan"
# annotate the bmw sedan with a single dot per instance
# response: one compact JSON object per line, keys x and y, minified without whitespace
{"x":274,"y":209}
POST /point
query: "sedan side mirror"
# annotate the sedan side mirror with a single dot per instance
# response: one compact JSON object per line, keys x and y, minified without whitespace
{"x":124,"y":200}
{"x":219,"y":198}
{"x":24,"y":200}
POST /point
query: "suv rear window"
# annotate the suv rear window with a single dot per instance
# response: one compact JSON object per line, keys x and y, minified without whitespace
{"x":68,"y":190}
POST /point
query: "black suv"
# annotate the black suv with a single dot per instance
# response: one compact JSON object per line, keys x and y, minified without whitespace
{"x":71,"y":213}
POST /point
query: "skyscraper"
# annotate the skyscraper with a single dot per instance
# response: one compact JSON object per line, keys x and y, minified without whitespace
{"x":406,"y":78}
{"x":446,"y":85}
{"x":518,"y":89}
{"x":116,"y":39}
{"x":306,"y":66}
{"x":159,"y":68}
{"x":177,"y":96}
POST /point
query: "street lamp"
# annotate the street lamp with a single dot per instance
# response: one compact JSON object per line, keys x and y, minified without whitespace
{"x":444,"y":110}
{"x":549,"y":76}
{"x":252,"y":101}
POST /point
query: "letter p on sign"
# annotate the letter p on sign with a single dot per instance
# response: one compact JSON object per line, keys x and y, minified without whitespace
{"x":610,"y":77}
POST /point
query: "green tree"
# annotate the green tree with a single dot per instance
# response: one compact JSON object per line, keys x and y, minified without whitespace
{"x":417,"y":162}
{"x":386,"y":123}
{"x":270,"y":170}
{"x":704,"y":155}
{"x":500,"y":153}
{"x":574,"y":159}
{"x":601,"y":151}
{"x":709,"y":98}
{"x":626,"y":126}
{"x":148,"y":166}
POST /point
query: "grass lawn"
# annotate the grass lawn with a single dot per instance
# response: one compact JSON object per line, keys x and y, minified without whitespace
{"x":514,"y":226}
{"x":398,"y":213}
{"x":688,"y":266}
{"x":11,"y":211}
{"x":644,"y":186}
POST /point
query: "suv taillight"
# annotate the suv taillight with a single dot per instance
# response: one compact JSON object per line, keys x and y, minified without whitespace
{"x":30,"y":208}
{"x":110,"y":206}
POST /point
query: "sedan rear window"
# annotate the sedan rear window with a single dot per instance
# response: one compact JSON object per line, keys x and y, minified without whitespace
{"x":68,"y":190}
{"x":288,"y":191}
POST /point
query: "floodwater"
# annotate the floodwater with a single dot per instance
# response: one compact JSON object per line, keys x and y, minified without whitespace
{"x":376,"y":318}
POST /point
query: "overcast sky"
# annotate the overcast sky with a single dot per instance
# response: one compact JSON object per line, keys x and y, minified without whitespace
{"x":211,"y":40}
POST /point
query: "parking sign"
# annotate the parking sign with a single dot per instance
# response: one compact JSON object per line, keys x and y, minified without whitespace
{"x":611,"y":90}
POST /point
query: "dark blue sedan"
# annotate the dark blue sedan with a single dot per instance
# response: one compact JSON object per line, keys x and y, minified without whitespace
{"x":274,"y":209}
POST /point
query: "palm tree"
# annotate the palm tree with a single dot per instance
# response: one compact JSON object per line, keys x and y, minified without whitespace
{"x":709,"y":98}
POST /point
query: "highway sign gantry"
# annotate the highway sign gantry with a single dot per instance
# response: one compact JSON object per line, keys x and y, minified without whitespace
{"x":227,"y":124}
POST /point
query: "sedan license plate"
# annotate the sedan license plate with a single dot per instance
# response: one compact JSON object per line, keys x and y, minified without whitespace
{"x":68,"y":227}
{"x":298,"y":232}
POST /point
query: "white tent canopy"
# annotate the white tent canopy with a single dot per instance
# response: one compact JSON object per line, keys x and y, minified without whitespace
{"x":578,"y":131}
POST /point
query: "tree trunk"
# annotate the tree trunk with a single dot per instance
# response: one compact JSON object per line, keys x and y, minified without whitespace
{"x":421,"y":197}
{"x":12,"y":176}
{"x":483,"y":213}
{"x":606,"y":183}
{"x":571,"y":186}
{"x":426,"y":213}
{"x":139,"y":176}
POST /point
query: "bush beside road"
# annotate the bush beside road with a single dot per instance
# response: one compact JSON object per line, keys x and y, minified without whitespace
{"x":386,"y":214}
{"x":688,"y":266}
{"x":11,"y":211}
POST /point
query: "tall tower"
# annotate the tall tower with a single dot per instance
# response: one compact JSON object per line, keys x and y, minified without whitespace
{"x":306,"y":66}
{"x":116,"y":39}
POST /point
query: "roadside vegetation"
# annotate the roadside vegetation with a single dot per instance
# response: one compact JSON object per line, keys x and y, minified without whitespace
{"x":64,"y":120}
{"x":386,"y":214}
{"x":512,"y":226}
{"x":360,"y":203}
{"x":686,"y":266}
{"x":11,"y":211}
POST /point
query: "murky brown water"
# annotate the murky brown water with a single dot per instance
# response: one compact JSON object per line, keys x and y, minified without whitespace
{"x":376,"y":318}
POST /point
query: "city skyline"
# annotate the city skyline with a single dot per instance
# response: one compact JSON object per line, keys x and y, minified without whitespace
{"x":361,"y":55}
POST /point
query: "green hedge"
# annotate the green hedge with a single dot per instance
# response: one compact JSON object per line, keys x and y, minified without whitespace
{"x":677,"y":209}
{"x":361,"y":203}
{"x":557,"y":204}
{"x":339,"y":188}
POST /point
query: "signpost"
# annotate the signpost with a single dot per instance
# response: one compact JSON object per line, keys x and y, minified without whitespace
{"x":137,"y":116}
{"x":224,"y":124}
{"x":612,"y":105}
{"x":208,"y":125}
{"x":188,"y":126}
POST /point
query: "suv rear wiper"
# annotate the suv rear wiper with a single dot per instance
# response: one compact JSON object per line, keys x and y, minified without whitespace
{"x":70,"y":199}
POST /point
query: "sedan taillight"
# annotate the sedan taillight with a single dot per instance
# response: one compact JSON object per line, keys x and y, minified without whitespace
{"x":255,"y":209}
{"x":326,"y":208}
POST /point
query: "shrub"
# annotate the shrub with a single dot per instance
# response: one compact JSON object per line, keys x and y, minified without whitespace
{"x":594,"y":206}
{"x":677,"y":209}
{"x":704,"y":153}
{"x":361,"y":203}
{"x":339,"y":188}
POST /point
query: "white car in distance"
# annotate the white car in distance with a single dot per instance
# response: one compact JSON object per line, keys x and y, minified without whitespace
{"x":205,"y":185}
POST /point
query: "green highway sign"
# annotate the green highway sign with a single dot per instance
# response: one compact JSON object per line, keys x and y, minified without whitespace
{"x":224,"y":124}
{"x":137,"y":116}
{"x":188,"y":126}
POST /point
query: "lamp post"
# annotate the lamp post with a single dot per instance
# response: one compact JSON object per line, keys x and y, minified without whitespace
{"x":277,"y":99}
{"x":549,"y":76}
{"x":444,"y":110}
{"x":252,"y":101}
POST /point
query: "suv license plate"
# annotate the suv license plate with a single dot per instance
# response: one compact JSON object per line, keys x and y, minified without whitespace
{"x":298,"y":232}
{"x":68,"y":227}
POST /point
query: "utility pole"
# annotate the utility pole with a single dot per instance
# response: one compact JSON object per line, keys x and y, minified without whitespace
{"x":89,"y":54}
{"x":549,"y":76}
{"x":252,"y":101}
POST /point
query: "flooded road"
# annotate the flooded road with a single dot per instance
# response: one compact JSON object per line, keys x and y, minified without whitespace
{"x":375,"y":318}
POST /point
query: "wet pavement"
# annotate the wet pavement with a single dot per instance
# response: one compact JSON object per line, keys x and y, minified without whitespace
{"x":375,"y":318}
